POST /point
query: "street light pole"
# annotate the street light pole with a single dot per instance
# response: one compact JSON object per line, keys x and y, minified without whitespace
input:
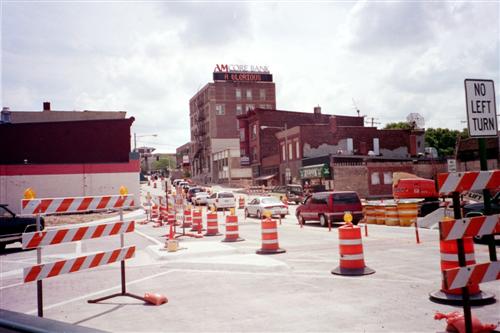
{"x":287,"y":170}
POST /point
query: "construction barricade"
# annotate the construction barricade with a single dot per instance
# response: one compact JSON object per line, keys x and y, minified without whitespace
{"x":380,"y":213}
{"x":241,"y":203}
{"x":370,"y":213}
{"x":407,"y":212}
{"x":39,"y":239}
{"x":352,"y":260}
{"x":461,"y":276}
{"x":391,"y":214}
{"x":232,"y":230}
{"x":270,"y":244}
{"x":197,"y":221}
{"x":212,"y":225}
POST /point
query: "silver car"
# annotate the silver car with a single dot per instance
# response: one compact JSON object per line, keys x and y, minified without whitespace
{"x":257,"y":206}
{"x":200,"y":198}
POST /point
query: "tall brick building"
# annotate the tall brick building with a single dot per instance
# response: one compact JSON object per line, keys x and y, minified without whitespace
{"x":213,"y":111}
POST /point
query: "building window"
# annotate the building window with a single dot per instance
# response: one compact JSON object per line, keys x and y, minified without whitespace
{"x":290,"y":151}
{"x":242,"y":134}
{"x":375,"y":178}
{"x":262,"y":94}
{"x":283,"y":152}
{"x":350,"y":146}
{"x":239,"y":109}
{"x":219,"y":109}
{"x":297,"y":149}
{"x":250,"y":107}
{"x":238,"y":94}
{"x":254,"y":154}
{"x":387,"y":177}
{"x":249,"y":93}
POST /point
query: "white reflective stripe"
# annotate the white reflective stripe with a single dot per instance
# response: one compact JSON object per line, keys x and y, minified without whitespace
{"x":454,"y":257}
{"x":461,"y":278}
{"x":112,"y":202}
{"x":93,"y":204}
{"x":489,"y":225}
{"x":492,"y":272}
{"x":232,"y":233}
{"x":54,"y":205}
{"x":269,"y":231}
{"x":351,"y":256}
{"x":481,"y":180}
{"x":450,"y":184}
{"x":30,"y":206}
{"x":75,"y":204}
{"x":269,"y":241}
{"x":350,"y":241}
{"x":458,"y":229}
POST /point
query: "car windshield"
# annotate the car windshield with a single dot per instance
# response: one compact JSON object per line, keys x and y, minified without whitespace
{"x":271,"y":200}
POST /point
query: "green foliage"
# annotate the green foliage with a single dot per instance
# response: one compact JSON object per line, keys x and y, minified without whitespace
{"x":164,"y":163}
{"x":444,"y":140}
{"x":399,"y":125}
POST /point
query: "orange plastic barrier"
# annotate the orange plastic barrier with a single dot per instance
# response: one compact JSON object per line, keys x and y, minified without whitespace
{"x":380,"y":213}
{"x":352,"y":261}
{"x":391,"y":214}
{"x":407,"y":212}
{"x":212,"y":225}
{"x":270,"y":244}
{"x":370,"y":213}
{"x":197,"y":221}
{"x":232,"y":233}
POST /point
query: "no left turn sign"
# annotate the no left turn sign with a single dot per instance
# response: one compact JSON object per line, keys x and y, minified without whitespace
{"x":481,"y":108}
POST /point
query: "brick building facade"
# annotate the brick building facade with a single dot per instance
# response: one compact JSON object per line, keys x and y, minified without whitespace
{"x":213,"y":111}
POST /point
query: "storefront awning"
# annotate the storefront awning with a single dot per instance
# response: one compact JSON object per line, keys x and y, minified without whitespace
{"x":266,"y":177}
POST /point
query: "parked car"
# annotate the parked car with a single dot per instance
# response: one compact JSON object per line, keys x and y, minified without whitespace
{"x":258,"y":205}
{"x":477,"y":209}
{"x":330,"y":206}
{"x":292,"y":192}
{"x":222,"y":200}
{"x":12,"y":226}
{"x":200,"y":198}
{"x":192,"y":191}
{"x":176,"y":182}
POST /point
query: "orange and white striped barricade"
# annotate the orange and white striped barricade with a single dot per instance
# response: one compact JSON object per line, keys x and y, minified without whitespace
{"x":380,"y":213}
{"x":455,"y":183}
{"x":171,"y":217}
{"x":241,"y":203}
{"x":232,"y":232}
{"x":352,"y":260}
{"x":197,"y":221}
{"x":407,"y":212}
{"x":270,"y":244}
{"x":391,"y":214}
{"x":188,"y":218}
{"x":370,"y":213}
{"x":212,"y":225}
{"x":464,"y":229}
{"x":39,"y":239}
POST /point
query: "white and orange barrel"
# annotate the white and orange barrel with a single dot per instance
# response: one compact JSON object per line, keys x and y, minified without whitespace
{"x":449,"y":259}
{"x":370,"y":213}
{"x":154,"y":212}
{"x":352,"y":260}
{"x":380,"y":213}
{"x":391,"y":214}
{"x":197,"y":221}
{"x":232,"y":232}
{"x":212,"y":225}
{"x":188,"y":219}
{"x":171,"y":217}
{"x":241,"y":203}
{"x":407,"y":213}
{"x":270,"y":244}
{"x":163,"y":213}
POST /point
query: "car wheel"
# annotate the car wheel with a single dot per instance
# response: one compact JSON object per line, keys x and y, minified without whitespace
{"x":2,"y":246}
{"x":259,"y":215}
{"x":323,"y":221}
{"x":301,"y":219}
{"x":246,"y":213}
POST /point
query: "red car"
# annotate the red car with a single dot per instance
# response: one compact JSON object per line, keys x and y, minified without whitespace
{"x":330,"y":206}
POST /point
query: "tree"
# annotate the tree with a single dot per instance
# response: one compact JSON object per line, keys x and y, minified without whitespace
{"x":164,"y":163}
{"x":398,"y":125}
{"x":444,"y":140}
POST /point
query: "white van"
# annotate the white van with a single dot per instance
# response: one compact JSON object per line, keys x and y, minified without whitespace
{"x":222,"y":200}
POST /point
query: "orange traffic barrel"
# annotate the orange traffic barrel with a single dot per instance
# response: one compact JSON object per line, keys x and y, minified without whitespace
{"x":449,"y":259}
{"x":171,"y":217}
{"x":370,"y":213}
{"x":241,"y":203}
{"x":352,"y":261}
{"x":212,"y":225}
{"x":197,"y":221}
{"x":188,"y":220}
{"x":270,"y":244}
{"x":391,"y":213}
{"x":380,"y":213}
{"x":232,"y":233}
{"x":407,"y":212}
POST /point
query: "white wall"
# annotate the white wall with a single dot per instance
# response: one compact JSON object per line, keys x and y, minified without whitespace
{"x":67,"y":185}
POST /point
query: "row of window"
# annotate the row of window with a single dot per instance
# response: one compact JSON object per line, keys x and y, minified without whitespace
{"x":290,"y":151}
{"x":262,"y":94}
{"x":386,"y":178}
{"x":220,"y":109}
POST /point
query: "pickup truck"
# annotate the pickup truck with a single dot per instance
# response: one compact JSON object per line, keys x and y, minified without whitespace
{"x":12,"y":226}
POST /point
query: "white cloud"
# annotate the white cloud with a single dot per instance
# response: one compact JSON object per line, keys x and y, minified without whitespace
{"x":148,"y":59}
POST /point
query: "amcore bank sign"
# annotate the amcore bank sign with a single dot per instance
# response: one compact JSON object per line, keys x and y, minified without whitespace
{"x":224,"y":68}
{"x":242,"y":73}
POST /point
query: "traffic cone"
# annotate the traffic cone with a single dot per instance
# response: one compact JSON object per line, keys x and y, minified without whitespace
{"x":270,"y":243}
{"x":171,"y":244}
{"x":155,"y":299}
{"x":352,"y":262}
{"x":212,"y":225}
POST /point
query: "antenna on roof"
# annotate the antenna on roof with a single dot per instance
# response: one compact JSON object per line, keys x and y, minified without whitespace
{"x":356,"y":108}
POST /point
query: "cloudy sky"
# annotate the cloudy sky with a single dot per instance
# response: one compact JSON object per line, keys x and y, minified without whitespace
{"x":148,"y":58}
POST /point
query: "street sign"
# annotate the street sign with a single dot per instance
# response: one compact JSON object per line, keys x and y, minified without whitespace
{"x":481,"y":108}
{"x":452,"y":165}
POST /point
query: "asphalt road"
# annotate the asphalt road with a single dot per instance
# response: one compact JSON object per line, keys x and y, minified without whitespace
{"x":215,"y":286}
